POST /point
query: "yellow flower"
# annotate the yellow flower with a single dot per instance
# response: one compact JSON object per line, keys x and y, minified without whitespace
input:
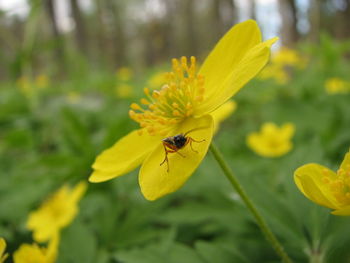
{"x":276,"y":72}
{"x":288,"y":57}
{"x":25,"y":86}
{"x":124,"y":91}
{"x":42,"y":81}
{"x":34,"y":254}
{"x":337,"y":85}
{"x":55,"y":213}
{"x":157,"y":80}
{"x":184,"y":104}
{"x":124,"y":74}
{"x":282,"y":59}
{"x":272,"y":141}
{"x":325,"y":187}
{"x":3,"y":256}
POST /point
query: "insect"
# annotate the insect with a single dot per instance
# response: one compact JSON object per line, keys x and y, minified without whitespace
{"x":175,"y":143}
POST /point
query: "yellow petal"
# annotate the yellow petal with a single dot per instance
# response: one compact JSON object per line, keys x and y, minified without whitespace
{"x":78,"y":191}
{"x":345,"y":165}
{"x":344,"y":211}
{"x":52,"y":249}
{"x":2,"y":246}
{"x":288,"y":130}
{"x":269,"y":128}
{"x":310,"y":180}
{"x":228,"y":52}
{"x":124,"y":156}
{"x":3,"y":256}
{"x":236,"y":77}
{"x":222,"y":113}
{"x":154,"y":179}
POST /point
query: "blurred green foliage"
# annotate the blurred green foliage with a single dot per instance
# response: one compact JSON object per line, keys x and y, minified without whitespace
{"x":51,"y":135}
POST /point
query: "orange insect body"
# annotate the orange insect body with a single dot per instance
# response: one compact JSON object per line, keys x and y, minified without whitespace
{"x":175,"y":143}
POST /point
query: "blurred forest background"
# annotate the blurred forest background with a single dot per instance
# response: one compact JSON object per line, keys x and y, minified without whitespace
{"x":59,"y":37}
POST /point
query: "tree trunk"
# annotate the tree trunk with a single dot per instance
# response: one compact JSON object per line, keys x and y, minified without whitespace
{"x":289,"y":30}
{"x":342,"y":22}
{"x":80,"y":32}
{"x":117,"y":30}
{"x":314,"y":18}
{"x":190,"y":20}
{"x":59,"y":50}
{"x":252,"y":9}
{"x":228,"y":14}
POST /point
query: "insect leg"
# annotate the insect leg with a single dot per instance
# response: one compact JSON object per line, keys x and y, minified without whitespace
{"x":166,"y":156}
{"x":190,"y":140}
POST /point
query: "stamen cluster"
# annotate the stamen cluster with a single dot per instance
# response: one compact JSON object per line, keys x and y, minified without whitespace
{"x":339,"y":185}
{"x":174,"y":102}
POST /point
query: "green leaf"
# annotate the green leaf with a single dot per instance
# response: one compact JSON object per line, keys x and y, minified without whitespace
{"x":77,"y":244}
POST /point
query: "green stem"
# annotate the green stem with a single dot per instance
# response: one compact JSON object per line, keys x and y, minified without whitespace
{"x":259,"y":219}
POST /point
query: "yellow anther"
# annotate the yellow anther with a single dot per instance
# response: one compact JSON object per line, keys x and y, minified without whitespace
{"x":189,"y":113}
{"x":199,"y":98}
{"x":193,"y":60}
{"x":184,"y":62}
{"x":144,"y":101}
{"x":189,"y":106}
{"x":173,"y":121}
{"x":152,"y":107}
{"x":340,"y":171}
{"x":150,"y":129}
{"x":155,"y":94}
{"x":175,"y":105}
{"x":139,"y":132}
{"x":325,"y":180}
{"x":135,"y":106}
{"x":176,"y":113}
{"x":146,"y":91}
{"x":175,"y":63}
{"x":173,"y":86}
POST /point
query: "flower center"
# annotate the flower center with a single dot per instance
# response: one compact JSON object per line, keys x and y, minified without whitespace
{"x":339,"y":185}
{"x":175,"y":101}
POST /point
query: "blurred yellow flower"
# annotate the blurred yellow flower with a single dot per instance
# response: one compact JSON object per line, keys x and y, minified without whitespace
{"x":157,"y":80}
{"x":42,"y":81}
{"x":124,"y":74}
{"x":288,"y":57}
{"x":325,"y":187}
{"x":272,"y":141}
{"x":276,"y":72}
{"x":3,"y":255}
{"x":34,"y":254}
{"x":124,"y":91}
{"x":73,"y":97}
{"x":337,"y":85}
{"x":25,"y":86}
{"x":281,"y":60}
{"x":55,"y":213}
{"x":184,"y":104}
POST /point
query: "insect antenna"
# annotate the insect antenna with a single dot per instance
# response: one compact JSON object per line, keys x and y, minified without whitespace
{"x":195,"y":129}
